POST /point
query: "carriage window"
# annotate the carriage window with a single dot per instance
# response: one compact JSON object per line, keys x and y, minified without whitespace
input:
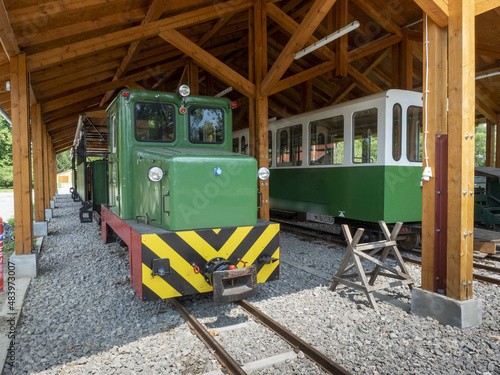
{"x":243,"y":145}
{"x":365,"y":136}
{"x":326,"y":143}
{"x":112,"y":136}
{"x":206,"y":125}
{"x":154,"y":122}
{"x":414,"y":134}
{"x":397,"y":118}
{"x":289,"y":146}
{"x":236,"y":145}
{"x":270,"y":146}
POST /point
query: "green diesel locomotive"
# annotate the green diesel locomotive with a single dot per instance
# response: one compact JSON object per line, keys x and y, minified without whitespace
{"x":182,"y":201}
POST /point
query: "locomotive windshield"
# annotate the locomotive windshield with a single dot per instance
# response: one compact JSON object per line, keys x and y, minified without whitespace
{"x":154,"y":122}
{"x":206,"y":125}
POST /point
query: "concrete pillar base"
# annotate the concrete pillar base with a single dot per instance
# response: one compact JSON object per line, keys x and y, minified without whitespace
{"x":52,"y":204}
{"x":462,"y":314}
{"x":40,"y":228}
{"x":48,"y":213}
{"x":24,"y":265}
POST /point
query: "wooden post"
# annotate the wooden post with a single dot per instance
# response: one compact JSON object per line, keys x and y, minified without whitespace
{"x":37,"y":136}
{"x":46,"y":166}
{"x":490,"y":144}
{"x":21,"y":155}
{"x":194,"y":78}
{"x":461,"y":149}
{"x":342,"y":43}
{"x":395,"y":65}
{"x":261,"y":101}
{"x":497,"y":162}
{"x":307,"y":96}
{"x":436,"y":116}
{"x":251,"y":77}
{"x":53,"y":172}
{"x":406,"y":62}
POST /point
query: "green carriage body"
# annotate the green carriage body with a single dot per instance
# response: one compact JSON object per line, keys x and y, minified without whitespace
{"x":205,"y":185}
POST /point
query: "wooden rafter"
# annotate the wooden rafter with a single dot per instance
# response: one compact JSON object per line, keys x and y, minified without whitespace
{"x":154,"y":13}
{"x":7,"y":37}
{"x":209,"y":62}
{"x":60,"y":54}
{"x":308,"y":25}
{"x":381,"y":18}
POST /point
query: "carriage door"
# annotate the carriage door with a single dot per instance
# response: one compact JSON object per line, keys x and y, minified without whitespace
{"x":113,"y":177}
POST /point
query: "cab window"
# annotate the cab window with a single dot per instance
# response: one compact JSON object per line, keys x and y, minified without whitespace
{"x":289,"y":146}
{"x":206,"y":125}
{"x":414,"y":134}
{"x":154,"y":122}
{"x":365,"y":136}
{"x":326,"y":142}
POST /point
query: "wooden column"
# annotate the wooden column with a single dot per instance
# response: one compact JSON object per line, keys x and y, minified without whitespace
{"x":21,"y":155}
{"x":490,"y":144}
{"x":395,"y":65}
{"x":251,"y":77}
{"x":52,"y":171}
{"x":497,"y":162}
{"x":342,"y":43}
{"x":406,"y":62}
{"x":307,"y":96}
{"x":194,"y":78}
{"x":461,"y":148}
{"x":261,"y":101}
{"x":46,"y":166}
{"x":436,"y":116}
{"x":37,"y":136}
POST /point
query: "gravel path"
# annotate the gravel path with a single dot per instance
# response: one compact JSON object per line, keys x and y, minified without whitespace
{"x":82,"y":316}
{"x":6,"y":206}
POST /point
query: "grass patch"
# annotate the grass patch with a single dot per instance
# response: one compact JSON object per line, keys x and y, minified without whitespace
{"x":4,"y":190}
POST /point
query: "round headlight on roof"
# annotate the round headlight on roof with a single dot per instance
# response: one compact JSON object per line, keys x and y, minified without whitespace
{"x":184,"y":90}
{"x":263,"y":173}
{"x":155,"y":174}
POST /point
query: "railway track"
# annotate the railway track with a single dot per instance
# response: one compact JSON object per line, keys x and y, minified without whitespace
{"x":334,"y":238}
{"x":231,"y":365}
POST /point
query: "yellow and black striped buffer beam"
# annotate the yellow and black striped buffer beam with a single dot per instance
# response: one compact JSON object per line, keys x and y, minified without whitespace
{"x":188,"y":251}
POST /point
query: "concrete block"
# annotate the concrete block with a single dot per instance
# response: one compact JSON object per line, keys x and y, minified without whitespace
{"x":52,"y":204}
{"x":24,"y":265}
{"x":48,"y":213}
{"x":40,"y":228}
{"x":462,"y":314}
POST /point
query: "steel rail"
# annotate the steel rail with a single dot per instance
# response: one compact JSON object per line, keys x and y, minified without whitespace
{"x":327,"y":236}
{"x":312,"y":353}
{"x":220,"y":353}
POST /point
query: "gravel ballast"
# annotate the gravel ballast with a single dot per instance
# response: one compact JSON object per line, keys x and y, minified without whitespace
{"x":81,"y":316}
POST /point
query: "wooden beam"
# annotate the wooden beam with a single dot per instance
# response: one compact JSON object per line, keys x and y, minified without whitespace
{"x":37,"y":145}
{"x":461,"y":37}
{"x":305,"y":30}
{"x":57,"y":55}
{"x":21,"y":155}
{"x":155,"y":11}
{"x":373,"y":47}
{"x":497,"y":157}
{"x":485,"y":109}
{"x":7,"y":37}
{"x":483,"y":6}
{"x":490,"y":143}
{"x":364,"y":83}
{"x":406,"y":62}
{"x":209,"y":62}
{"x":102,"y":88}
{"x":341,"y":45}
{"x":436,"y":9}
{"x":302,"y":77}
{"x":436,"y":116}
{"x":382,"y":18}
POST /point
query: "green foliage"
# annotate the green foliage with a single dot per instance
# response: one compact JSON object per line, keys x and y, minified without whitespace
{"x":480,"y":145}
{"x":6,"y":172}
{"x":63,"y":161}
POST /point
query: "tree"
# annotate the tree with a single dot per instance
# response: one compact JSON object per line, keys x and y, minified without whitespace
{"x":480,"y":146}
{"x":63,"y":161}
{"x":6,"y":171}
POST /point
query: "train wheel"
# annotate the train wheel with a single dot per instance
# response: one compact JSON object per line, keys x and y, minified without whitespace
{"x":409,"y":241}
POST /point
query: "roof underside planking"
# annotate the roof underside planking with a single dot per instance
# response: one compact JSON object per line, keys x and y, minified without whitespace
{"x":81,"y":52}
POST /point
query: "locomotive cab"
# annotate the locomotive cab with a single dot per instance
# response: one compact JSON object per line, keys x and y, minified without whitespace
{"x":182,"y":201}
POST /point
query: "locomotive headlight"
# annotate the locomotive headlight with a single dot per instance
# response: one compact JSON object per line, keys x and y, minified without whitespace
{"x":155,"y":174}
{"x":263,"y":173}
{"x":184,"y":90}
